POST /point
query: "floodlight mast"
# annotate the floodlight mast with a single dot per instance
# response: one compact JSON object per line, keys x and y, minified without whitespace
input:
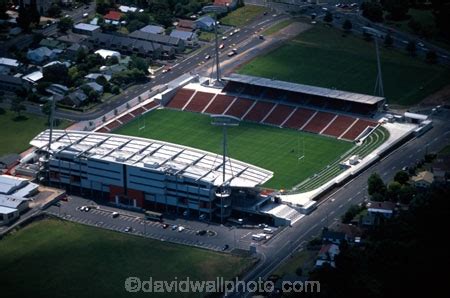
{"x":224,"y":121}
{"x":215,"y":10}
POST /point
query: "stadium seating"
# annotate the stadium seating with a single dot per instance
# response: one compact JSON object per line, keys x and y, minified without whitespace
{"x":138,"y":111}
{"x":220,"y":104}
{"x":126,"y":118}
{"x":319,"y":122}
{"x":299,"y":118}
{"x":279,"y":114}
{"x":199,"y":101}
{"x":180,"y":99}
{"x":239,"y":107}
{"x":150,"y":105}
{"x":259,"y":111}
{"x":103,"y":129}
{"x":339,"y":126}
{"x":113,"y":125}
{"x":357,"y":129}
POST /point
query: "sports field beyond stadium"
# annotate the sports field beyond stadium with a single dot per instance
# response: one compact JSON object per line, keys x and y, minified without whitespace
{"x":275,"y":149}
{"x":54,"y":258}
{"x":323,"y":57}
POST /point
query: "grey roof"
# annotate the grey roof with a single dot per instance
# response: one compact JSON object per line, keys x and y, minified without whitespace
{"x":306,"y":89}
{"x":184,"y":35}
{"x":10,"y":202}
{"x":9,"y":184}
{"x":130,"y":43}
{"x":207,"y":20}
{"x":153,"y":154}
{"x":9,"y":62}
{"x":7,"y":210}
{"x":152,"y":29}
{"x":86,"y":27}
{"x":10,"y":80}
{"x":96,"y":86}
{"x":158,"y":38}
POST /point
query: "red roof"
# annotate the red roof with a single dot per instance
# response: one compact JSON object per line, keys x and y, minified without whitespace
{"x":113,"y":15}
{"x":186,"y":24}
{"x":223,"y":2}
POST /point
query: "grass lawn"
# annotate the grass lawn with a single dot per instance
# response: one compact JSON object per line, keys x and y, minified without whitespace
{"x":53,"y":258}
{"x":277,"y":27}
{"x":16,"y":134}
{"x":206,"y":36}
{"x":242,"y":15}
{"x":269,"y":147}
{"x":304,"y":259}
{"x":323,"y":57}
{"x":445,"y":150}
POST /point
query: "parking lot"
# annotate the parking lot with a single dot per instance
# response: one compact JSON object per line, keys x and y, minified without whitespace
{"x":214,"y":236}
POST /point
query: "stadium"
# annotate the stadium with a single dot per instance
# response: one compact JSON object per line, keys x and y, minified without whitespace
{"x":164,"y":155}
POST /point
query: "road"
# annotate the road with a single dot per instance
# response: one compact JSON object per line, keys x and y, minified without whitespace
{"x":335,"y":205}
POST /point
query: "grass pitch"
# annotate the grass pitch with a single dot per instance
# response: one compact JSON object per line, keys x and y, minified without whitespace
{"x":323,"y":57}
{"x":53,"y":258}
{"x":242,"y":15}
{"x":271,"y":148}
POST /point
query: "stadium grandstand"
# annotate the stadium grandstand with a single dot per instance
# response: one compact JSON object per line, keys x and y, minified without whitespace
{"x":333,"y":113}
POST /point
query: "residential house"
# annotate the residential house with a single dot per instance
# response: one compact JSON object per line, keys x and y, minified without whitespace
{"x":205,"y":23}
{"x":352,"y":232}
{"x":153,"y":29}
{"x":11,"y":83}
{"x":9,"y":65}
{"x":165,"y":40}
{"x":42,"y":54}
{"x":327,"y":255}
{"x":113,"y":17}
{"x":190,"y":38}
{"x":92,"y":77}
{"x":96,"y":87}
{"x":107,"y":53}
{"x":423,"y":179}
{"x":72,"y":51}
{"x":85,"y":29}
{"x":57,"y":89}
{"x":75,"y":98}
{"x":385,"y":209}
{"x":186,"y":25}
{"x":33,"y":77}
{"x":52,"y":44}
{"x":441,"y":168}
{"x":333,"y":236}
{"x":230,"y":4}
{"x":112,"y":69}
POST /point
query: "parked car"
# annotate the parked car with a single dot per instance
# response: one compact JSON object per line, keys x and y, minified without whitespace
{"x":201,"y":232}
{"x":128,"y":229}
{"x":174,"y":227}
{"x":225,"y":247}
{"x":115,"y":214}
{"x":181,"y":229}
{"x":165,"y":226}
{"x":207,"y":57}
{"x":221,"y":46}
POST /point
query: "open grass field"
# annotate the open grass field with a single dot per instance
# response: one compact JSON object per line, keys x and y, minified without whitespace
{"x":269,"y":147}
{"x":53,"y":258}
{"x":323,"y":57}
{"x":242,"y":15}
{"x":16,"y":134}
{"x":277,"y":27}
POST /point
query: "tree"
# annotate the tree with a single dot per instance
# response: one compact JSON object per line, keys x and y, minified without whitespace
{"x":388,"y":41}
{"x":376,"y":185}
{"x":328,"y":17}
{"x":102,"y":6}
{"x":135,"y":25}
{"x":54,"y":11}
{"x":65,"y":24}
{"x":401,"y":177}
{"x":56,"y":73}
{"x":347,"y":25}
{"x":372,"y":10}
{"x":115,"y":90}
{"x":397,"y":8}
{"x":138,"y":63}
{"x":431,"y":57}
{"x":3,"y":9}
{"x":414,"y":25}
{"x":393,"y":191}
{"x":17,"y":105}
{"x":411,"y":48}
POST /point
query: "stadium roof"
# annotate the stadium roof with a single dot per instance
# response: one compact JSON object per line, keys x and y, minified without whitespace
{"x":306,"y":89}
{"x":172,"y":159}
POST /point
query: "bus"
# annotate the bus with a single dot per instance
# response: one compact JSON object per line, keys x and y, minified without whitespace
{"x":151,"y":215}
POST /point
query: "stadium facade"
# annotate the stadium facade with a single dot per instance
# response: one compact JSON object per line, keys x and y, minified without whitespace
{"x":145,"y":173}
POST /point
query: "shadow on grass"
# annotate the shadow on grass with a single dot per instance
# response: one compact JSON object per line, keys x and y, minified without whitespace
{"x":20,"y":118}
{"x":2,"y":111}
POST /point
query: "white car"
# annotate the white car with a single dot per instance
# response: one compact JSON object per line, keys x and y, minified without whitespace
{"x":181,"y":229}
{"x":237,"y":30}
{"x":85,"y":15}
{"x":224,"y":37}
{"x":207,"y":57}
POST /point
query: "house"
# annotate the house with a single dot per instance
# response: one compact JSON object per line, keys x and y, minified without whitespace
{"x":385,"y":209}
{"x":423,"y":179}
{"x":112,"y":69}
{"x":75,"y":98}
{"x":92,"y":77}
{"x":113,"y":17}
{"x":52,"y":44}
{"x":96,"y":87}
{"x":42,"y":54}
{"x":190,"y":38}
{"x":186,"y":25}
{"x":205,"y":23}
{"x":107,"y":53}
{"x":441,"y":167}
{"x":72,"y":51}
{"x":85,"y":29}
{"x":352,"y":232}
{"x":33,"y":77}
{"x":153,"y":29}
{"x":9,"y":65}
{"x":66,"y":64}
{"x":57,"y":89}
{"x":230,"y":4}
{"x":333,"y":236}
{"x":327,"y":255}
{"x":165,"y":40}
{"x":11,"y":83}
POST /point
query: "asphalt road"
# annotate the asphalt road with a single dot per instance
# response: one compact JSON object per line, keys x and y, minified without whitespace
{"x":335,"y":205}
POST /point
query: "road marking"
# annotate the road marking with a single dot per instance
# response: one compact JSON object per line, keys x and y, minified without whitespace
{"x":322,"y":220}
{"x":358,"y":193}
{"x":393,"y":168}
{"x":349,"y":199}
{"x":340,"y":206}
{"x":332,"y":212}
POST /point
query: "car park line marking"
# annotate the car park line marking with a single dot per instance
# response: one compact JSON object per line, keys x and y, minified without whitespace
{"x":349,"y":199}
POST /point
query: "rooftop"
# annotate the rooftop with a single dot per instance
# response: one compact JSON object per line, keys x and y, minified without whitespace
{"x":86,"y":27}
{"x":113,"y":15}
{"x":172,"y":159}
{"x":152,"y":29}
{"x":306,"y":89}
{"x":9,"y":62}
{"x":7,"y":210}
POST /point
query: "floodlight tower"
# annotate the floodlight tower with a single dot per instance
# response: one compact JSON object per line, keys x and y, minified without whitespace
{"x":379,"y":90}
{"x":223,"y":192}
{"x":215,"y":10}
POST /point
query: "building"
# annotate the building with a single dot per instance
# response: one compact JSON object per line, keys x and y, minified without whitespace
{"x":96,"y":87}
{"x":327,"y":255}
{"x":230,"y":4}
{"x":190,"y":38}
{"x":76,"y":98}
{"x":186,"y":25}
{"x":42,"y":54}
{"x":423,"y":179}
{"x":165,"y":40}
{"x":85,"y":29}
{"x":9,"y":65}
{"x":441,"y":167}
{"x":384,"y":209}
{"x":125,"y":9}
{"x":52,"y":44}
{"x":92,"y":77}
{"x":7,"y":215}
{"x":33,"y":77}
{"x":9,"y":160}
{"x":153,"y":29}
{"x":57,"y":89}
{"x":107,"y":53}
{"x":333,"y":236}
{"x":113,"y":17}
{"x":11,"y":84}
{"x":150,"y":174}
{"x":205,"y":23}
